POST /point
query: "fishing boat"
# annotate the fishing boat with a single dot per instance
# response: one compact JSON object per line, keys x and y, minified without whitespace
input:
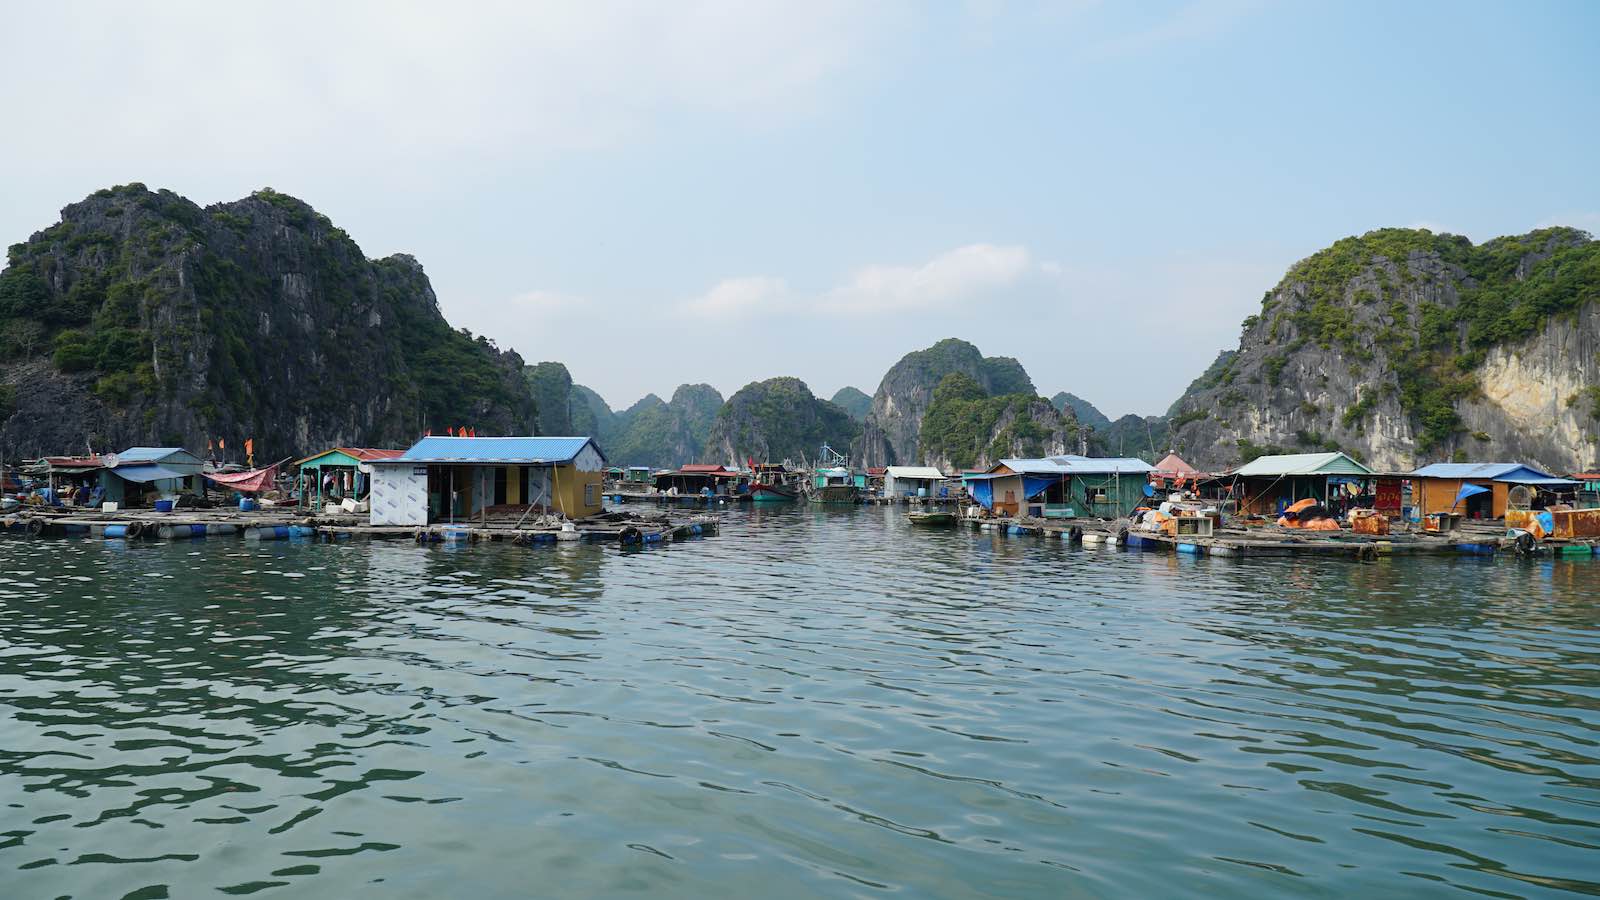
{"x":834,"y":481}
{"x":762,"y":492}
{"x":836,"y":492}
{"x":932,"y":519}
{"x":773,"y":483}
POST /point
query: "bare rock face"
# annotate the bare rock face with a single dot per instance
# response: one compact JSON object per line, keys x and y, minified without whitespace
{"x":1403,"y":347}
{"x":141,"y":318}
{"x":893,"y":425}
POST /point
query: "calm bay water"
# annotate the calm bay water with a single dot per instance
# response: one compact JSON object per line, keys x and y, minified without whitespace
{"x":817,"y":702}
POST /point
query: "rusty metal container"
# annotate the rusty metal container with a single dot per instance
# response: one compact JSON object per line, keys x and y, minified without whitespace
{"x":1367,"y":521}
{"x":1576,"y":523}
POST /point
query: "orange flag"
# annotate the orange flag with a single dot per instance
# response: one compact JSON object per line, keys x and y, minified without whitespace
{"x":222,"y":443}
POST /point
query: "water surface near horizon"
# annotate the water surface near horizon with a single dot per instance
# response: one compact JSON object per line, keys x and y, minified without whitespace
{"x":818,"y":702}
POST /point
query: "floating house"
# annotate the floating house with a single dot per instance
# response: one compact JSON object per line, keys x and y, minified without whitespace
{"x":138,"y":473}
{"x":446,"y":479}
{"x":350,"y":468}
{"x":60,"y":472}
{"x":1477,"y":490}
{"x":1267,"y":484}
{"x":1062,"y":487}
{"x":912,"y":481}
{"x":697,"y":479}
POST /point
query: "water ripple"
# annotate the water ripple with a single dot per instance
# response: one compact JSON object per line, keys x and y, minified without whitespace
{"x":818,"y":702}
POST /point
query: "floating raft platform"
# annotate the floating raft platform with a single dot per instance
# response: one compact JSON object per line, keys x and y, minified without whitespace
{"x":289,"y":524}
{"x":1272,"y":540}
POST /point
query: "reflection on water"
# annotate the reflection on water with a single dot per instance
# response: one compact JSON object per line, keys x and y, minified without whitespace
{"x":820,"y":701}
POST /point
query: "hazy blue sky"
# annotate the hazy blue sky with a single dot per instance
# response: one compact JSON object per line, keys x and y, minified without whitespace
{"x":659,"y":193}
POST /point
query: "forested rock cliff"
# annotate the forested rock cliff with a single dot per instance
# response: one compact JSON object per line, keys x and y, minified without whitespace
{"x":1404,"y":347}
{"x":966,"y":427}
{"x":142,"y":318}
{"x":893,"y":426}
{"x":775,"y":420}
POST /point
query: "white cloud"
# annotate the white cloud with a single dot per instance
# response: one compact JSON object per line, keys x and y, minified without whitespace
{"x":742,"y":296}
{"x":377,"y":82}
{"x":959,"y":275}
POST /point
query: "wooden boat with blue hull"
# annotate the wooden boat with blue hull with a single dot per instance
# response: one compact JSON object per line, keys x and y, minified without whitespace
{"x":932,"y":519}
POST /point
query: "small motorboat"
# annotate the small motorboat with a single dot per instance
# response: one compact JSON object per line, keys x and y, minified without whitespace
{"x":937,"y":519}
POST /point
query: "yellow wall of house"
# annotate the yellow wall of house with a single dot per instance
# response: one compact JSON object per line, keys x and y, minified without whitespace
{"x":576,"y":494}
{"x":1436,"y":495}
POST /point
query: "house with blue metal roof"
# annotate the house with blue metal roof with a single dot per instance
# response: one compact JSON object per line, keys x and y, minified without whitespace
{"x":1059,"y":487}
{"x":474,"y":479}
{"x":1479,"y":490}
{"x":138,"y":474}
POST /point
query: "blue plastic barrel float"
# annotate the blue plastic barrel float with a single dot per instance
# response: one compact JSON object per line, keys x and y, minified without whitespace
{"x":1476,"y":549}
{"x":177,"y":532}
{"x":267,"y":533}
{"x":117,"y":531}
{"x":455,"y":534}
{"x":74,"y":529}
{"x":1189,"y":548}
{"x":247,"y":505}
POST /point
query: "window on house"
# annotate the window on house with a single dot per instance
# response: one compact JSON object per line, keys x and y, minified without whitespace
{"x":588,"y":494}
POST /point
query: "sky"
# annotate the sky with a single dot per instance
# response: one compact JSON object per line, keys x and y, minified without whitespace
{"x":723,"y":192}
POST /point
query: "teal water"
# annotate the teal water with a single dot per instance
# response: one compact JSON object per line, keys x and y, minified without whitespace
{"x":818,"y":702}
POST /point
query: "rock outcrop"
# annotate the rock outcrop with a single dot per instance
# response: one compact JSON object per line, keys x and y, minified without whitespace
{"x":853,"y":401}
{"x":141,"y":318}
{"x":664,"y":434}
{"x":966,"y":427}
{"x":893,"y":426}
{"x":1403,"y":347}
{"x":776,"y":420}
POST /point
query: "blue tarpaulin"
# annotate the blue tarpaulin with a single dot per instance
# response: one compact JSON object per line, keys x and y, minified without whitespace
{"x":1469,"y":490}
{"x":983,"y":492}
{"x":1034,"y":485}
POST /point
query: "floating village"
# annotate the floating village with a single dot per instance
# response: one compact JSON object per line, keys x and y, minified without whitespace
{"x":536,"y":490}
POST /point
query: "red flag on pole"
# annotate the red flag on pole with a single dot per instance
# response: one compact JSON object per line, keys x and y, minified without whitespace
{"x":451,"y":429}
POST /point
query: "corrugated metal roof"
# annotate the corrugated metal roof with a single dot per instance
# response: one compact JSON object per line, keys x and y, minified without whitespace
{"x":1078,"y":465}
{"x":146,"y":473}
{"x":914,"y":472}
{"x":360,"y":454}
{"x":149,"y":454}
{"x":493,"y":450}
{"x":1489,"y":471}
{"x":1332,"y":463}
{"x":1106,"y":465}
